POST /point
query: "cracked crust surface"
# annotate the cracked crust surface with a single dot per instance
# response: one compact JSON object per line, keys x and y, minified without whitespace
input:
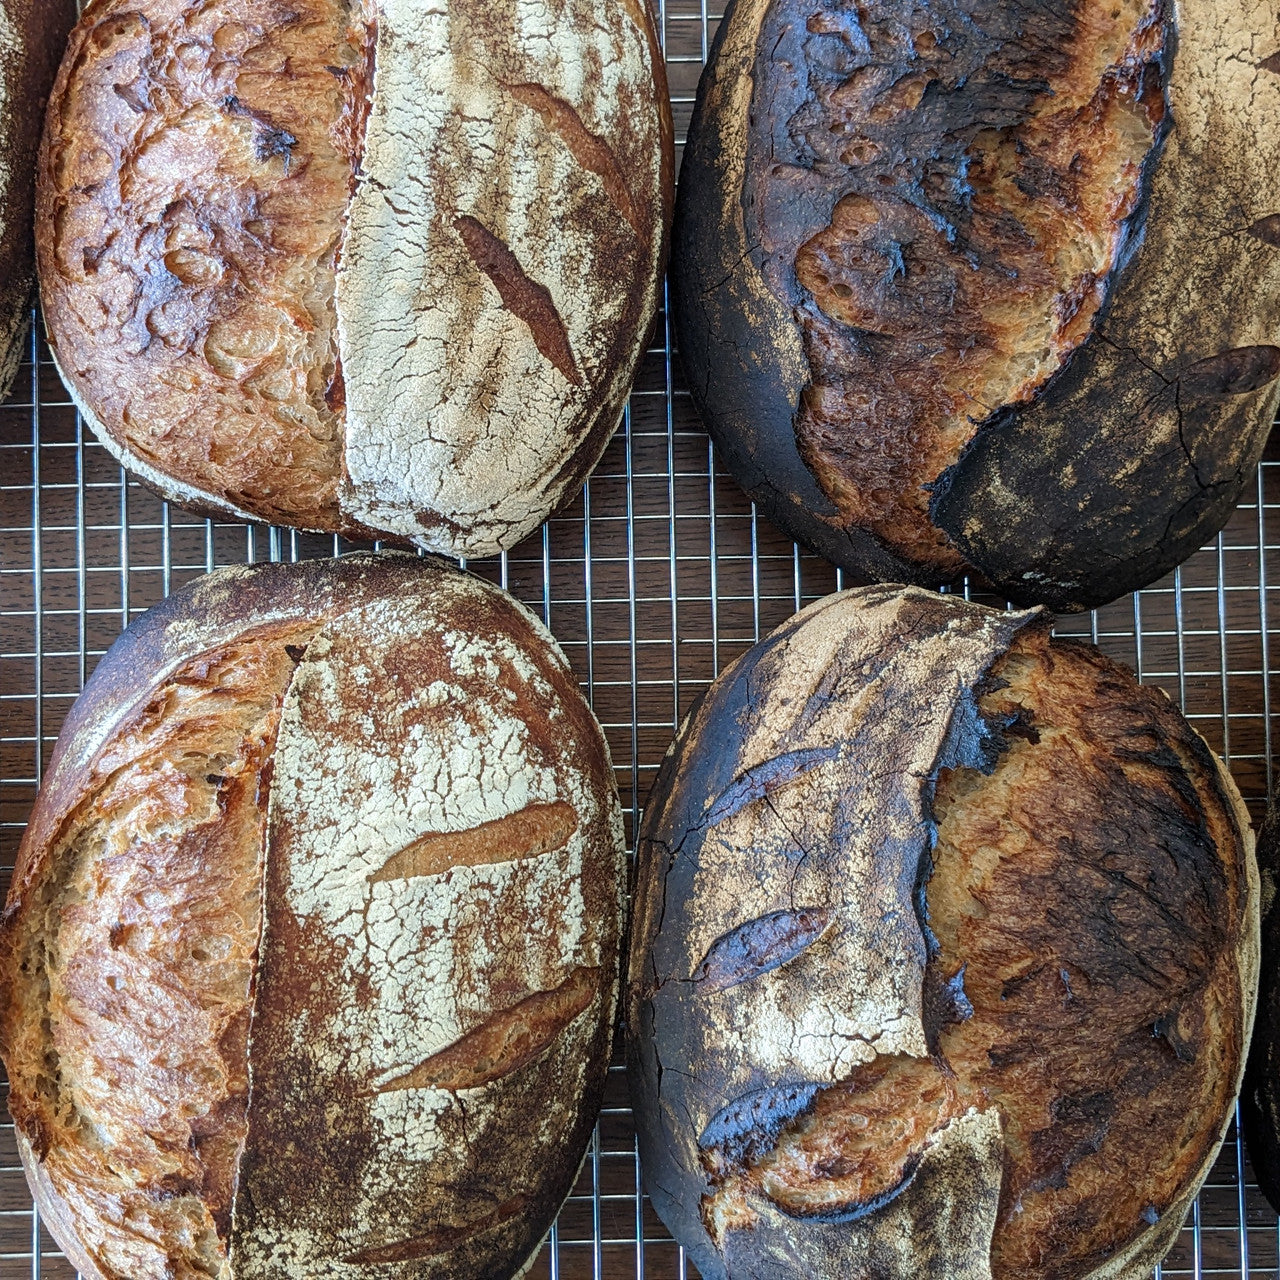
{"x":1047,"y":1008}
{"x":31,"y":39}
{"x":946,"y":293}
{"x":293,"y":267}
{"x":457,"y":1001}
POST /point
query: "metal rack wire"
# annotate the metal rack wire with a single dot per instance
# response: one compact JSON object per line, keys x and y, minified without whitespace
{"x":658,"y":575}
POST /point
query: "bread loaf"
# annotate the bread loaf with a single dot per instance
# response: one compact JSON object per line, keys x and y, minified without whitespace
{"x":945,"y":949}
{"x":990,"y":288}
{"x":357,"y":266}
{"x":32,"y":33}
{"x":310,"y":960}
{"x":1260,"y":1096}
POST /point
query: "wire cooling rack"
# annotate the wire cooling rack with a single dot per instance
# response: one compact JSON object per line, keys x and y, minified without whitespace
{"x":655,"y":577}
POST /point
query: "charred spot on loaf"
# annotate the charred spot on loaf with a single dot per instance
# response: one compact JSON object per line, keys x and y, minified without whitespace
{"x":442,"y":1240}
{"x":764,"y":779}
{"x":1232,"y":373}
{"x":523,"y":296}
{"x":947,"y":195}
{"x":759,"y":946}
{"x":507,"y":1041}
{"x":749,"y":1125}
{"x":268,"y":139}
{"x":534,"y":830}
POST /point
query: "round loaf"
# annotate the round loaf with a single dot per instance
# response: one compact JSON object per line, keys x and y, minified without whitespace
{"x":32,"y":33}
{"x":309,"y":965}
{"x":990,"y":288}
{"x":944,"y":955}
{"x":357,"y":266}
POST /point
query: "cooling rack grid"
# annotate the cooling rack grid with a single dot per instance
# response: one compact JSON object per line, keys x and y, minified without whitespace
{"x":657,"y":576}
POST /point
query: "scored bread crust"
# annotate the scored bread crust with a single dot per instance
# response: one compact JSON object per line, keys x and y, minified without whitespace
{"x":895,"y":374}
{"x":263,"y":309}
{"x":750,"y":1018}
{"x":135,"y":1215}
{"x":31,"y":38}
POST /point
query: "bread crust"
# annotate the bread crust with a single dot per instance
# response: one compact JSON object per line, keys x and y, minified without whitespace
{"x":1068,"y":437}
{"x":843,"y":742}
{"x":31,"y":39}
{"x":232,"y":296}
{"x":292,"y":643}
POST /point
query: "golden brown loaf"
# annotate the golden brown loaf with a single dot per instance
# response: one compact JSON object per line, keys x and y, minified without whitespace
{"x":944,"y":957}
{"x":310,"y":959}
{"x":32,"y":33}
{"x":353,"y":265}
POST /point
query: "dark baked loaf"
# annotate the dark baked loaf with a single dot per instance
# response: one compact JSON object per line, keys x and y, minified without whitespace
{"x":1260,"y":1096}
{"x":357,"y":265}
{"x":944,"y":955}
{"x":988,"y":286}
{"x":310,"y":961}
{"x":32,"y":33}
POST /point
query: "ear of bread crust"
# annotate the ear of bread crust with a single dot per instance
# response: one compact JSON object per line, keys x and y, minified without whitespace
{"x":779,"y":697}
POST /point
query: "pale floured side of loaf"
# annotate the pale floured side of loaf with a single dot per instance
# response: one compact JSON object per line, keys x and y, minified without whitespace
{"x":500,"y":263}
{"x":438,"y":967}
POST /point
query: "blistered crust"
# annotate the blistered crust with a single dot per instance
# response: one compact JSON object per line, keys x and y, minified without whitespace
{"x":193,"y":179}
{"x":1092,"y":1005}
{"x":440,"y":1036}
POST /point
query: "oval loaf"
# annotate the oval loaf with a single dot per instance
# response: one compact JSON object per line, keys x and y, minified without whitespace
{"x":988,"y":288}
{"x":358,"y":266}
{"x":310,"y":959}
{"x":32,"y":33}
{"x":944,"y":955}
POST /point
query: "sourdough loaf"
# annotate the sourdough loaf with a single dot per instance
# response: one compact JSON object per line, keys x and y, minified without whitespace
{"x":944,"y":955}
{"x":310,"y":960}
{"x":357,"y":265}
{"x":989,"y":287}
{"x":32,"y":33}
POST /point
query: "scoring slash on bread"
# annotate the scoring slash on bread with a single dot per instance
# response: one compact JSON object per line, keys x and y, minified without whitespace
{"x":310,"y":958}
{"x":359,"y":266}
{"x":987,"y":288}
{"x":944,"y":955}
{"x":32,"y":33}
